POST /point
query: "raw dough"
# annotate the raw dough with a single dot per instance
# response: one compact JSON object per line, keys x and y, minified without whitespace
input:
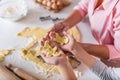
{"x":30,"y":55}
{"x":48,"y":50}
{"x":52,"y":51}
{"x":61,"y":40}
{"x":38,"y":33}
{"x":3,"y":54}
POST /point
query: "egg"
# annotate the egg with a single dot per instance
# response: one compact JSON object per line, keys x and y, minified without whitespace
{"x":54,"y":6}
{"x":59,"y":4}
{"x":39,"y":1}
{"x":44,"y":2}
{"x":49,"y":4}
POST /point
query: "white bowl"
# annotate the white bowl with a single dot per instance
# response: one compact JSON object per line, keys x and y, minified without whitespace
{"x":13,"y":10}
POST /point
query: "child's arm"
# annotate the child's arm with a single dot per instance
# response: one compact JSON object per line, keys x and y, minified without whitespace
{"x":63,"y":66}
{"x":104,"y":72}
{"x":66,"y":71}
{"x":99,"y":68}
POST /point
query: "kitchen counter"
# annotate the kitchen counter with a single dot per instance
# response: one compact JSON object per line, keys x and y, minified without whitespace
{"x":8,"y":38}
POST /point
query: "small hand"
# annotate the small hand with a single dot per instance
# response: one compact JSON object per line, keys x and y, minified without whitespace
{"x":61,"y":60}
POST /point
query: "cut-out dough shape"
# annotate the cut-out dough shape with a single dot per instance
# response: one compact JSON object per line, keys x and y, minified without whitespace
{"x":53,"y":51}
{"x":3,"y":54}
{"x":38,"y":33}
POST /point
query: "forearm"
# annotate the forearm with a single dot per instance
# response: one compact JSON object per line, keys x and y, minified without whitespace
{"x":99,"y":68}
{"x":100,"y":51}
{"x":67,"y":72}
{"x":83,"y":56}
{"x":72,"y":19}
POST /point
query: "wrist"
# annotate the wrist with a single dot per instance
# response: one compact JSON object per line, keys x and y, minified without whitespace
{"x":76,"y":48}
{"x":66,"y":25}
{"x":63,"y":64}
{"x":86,"y":46}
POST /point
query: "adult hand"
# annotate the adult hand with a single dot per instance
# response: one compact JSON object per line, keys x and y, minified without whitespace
{"x":71,"y":44}
{"x":57,"y":28}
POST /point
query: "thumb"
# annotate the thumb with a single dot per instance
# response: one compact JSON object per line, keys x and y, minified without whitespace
{"x":68,"y":35}
{"x":64,"y":47}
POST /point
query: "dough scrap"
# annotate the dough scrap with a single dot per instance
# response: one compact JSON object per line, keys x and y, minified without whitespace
{"x":29,"y":55}
{"x":38,"y":33}
{"x":3,"y":54}
{"x":48,"y":50}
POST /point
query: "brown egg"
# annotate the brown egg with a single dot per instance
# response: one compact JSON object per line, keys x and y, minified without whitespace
{"x":59,"y":4}
{"x":39,"y":1}
{"x":49,"y":4}
{"x":54,"y":6}
{"x":44,"y":2}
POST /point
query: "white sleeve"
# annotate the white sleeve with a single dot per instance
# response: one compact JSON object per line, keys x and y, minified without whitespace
{"x":104,"y":72}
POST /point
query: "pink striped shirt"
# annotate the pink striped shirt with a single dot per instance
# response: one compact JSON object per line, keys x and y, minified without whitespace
{"x":105,"y":23}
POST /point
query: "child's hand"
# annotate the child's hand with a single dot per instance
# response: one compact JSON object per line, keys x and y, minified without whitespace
{"x":58,"y":61}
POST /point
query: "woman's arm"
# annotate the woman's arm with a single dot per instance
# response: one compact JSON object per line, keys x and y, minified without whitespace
{"x":99,"y":68}
{"x":100,"y":51}
{"x":75,"y":48}
{"x":82,"y":55}
{"x":73,"y":18}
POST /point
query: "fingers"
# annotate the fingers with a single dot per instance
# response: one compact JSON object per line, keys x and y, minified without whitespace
{"x":50,"y":60}
{"x":65,"y":48}
{"x":52,"y":43}
{"x":70,"y":37}
{"x":52,"y":35}
{"x":54,"y":60}
{"x":57,"y":28}
{"x":46,"y":37}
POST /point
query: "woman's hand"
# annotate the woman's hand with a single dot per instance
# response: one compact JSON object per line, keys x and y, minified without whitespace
{"x":57,"y":28}
{"x":71,"y":44}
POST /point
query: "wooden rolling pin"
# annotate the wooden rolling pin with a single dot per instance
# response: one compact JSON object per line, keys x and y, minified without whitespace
{"x":19,"y":72}
{"x":5,"y":74}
